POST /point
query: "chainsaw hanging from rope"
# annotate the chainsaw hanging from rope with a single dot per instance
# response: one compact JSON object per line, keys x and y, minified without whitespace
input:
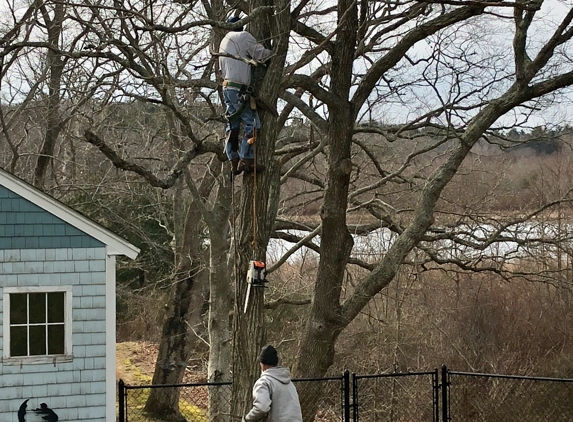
{"x":256,"y":277}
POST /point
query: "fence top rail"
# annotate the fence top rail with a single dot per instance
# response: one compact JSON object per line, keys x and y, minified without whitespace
{"x":214,"y":384}
{"x":394,"y":374}
{"x":318,"y":379}
{"x":521,"y":377}
{"x":200,"y":384}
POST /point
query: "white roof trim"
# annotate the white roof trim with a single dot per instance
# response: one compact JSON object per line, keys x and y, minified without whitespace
{"x":116,"y":245}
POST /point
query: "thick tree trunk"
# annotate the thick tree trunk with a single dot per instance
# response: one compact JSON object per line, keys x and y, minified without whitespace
{"x":55,"y":64}
{"x":316,"y":352}
{"x":220,"y":283}
{"x":258,"y":209}
{"x":175,"y":346}
{"x":248,"y":327}
{"x":220,"y":305}
{"x":317,"y":346}
{"x":184,"y":310}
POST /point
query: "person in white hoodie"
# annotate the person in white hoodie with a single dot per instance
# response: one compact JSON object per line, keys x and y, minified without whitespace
{"x":274,"y":395}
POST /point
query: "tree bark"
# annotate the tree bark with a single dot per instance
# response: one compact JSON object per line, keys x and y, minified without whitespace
{"x":175,"y":346}
{"x":183,"y":312}
{"x":184,"y":306}
{"x":258,"y":207}
{"x":55,"y":64}
{"x":316,"y":351}
{"x":220,"y":303}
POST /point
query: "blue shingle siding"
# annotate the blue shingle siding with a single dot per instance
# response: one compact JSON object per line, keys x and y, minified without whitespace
{"x":39,"y":249}
{"x":24,"y":225}
{"x":75,"y":389}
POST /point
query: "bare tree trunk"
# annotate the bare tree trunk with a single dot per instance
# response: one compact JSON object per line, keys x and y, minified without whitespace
{"x":325,"y":324}
{"x":177,"y":339}
{"x":258,"y":210}
{"x":316,"y":352}
{"x":220,"y":304}
{"x":176,"y":342}
{"x":55,"y":65}
{"x":184,"y":311}
{"x":248,"y":327}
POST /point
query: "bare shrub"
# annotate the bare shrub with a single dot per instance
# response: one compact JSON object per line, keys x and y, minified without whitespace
{"x":471,"y":322}
{"x":139,"y":314}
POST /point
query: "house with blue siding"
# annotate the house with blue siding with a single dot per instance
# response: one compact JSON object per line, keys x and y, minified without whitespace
{"x":57,"y":281}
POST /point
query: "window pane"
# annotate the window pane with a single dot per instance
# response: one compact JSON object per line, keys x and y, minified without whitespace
{"x":18,"y":341}
{"x":56,"y":307}
{"x":18,"y":308}
{"x":38,"y":340}
{"x":55,"y":339}
{"x":37,"y":307}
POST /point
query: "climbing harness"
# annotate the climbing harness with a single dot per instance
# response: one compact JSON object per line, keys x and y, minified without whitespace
{"x":248,"y":97}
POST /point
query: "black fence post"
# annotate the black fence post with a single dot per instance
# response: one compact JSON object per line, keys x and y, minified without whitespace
{"x":346,"y":395}
{"x":436,"y":395}
{"x":445,"y":385}
{"x":354,"y":398}
{"x":121,"y":398}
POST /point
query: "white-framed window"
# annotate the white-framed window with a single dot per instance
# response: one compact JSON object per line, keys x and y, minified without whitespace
{"x":37,"y":324}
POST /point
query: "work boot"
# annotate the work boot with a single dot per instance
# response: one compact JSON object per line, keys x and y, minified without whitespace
{"x":248,"y":166}
{"x":235,"y":168}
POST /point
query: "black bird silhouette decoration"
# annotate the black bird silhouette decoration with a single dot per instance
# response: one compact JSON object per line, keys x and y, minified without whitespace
{"x":45,"y":410}
{"x":22,"y":411}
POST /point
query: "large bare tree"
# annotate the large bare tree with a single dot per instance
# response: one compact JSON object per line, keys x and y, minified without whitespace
{"x":435,"y":79}
{"x":429,"y":44}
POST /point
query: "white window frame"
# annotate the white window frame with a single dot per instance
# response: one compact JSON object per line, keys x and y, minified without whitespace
{"x":20,"y":360}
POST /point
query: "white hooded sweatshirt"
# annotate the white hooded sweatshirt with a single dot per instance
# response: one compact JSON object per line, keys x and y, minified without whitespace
{"x":275,"y":397}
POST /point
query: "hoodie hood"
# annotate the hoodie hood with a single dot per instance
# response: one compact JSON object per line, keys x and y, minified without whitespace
{"x":279,"y":373}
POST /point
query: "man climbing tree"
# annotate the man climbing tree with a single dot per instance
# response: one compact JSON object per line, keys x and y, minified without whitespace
{"x":238,"y":95}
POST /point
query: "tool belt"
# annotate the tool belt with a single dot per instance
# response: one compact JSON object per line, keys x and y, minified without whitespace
{"x":248,"y":95}
{"x":240,"y":87}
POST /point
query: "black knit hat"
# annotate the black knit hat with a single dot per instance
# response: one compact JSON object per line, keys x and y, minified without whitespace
{"x":234,"y":19}
{"x":269,"y":356}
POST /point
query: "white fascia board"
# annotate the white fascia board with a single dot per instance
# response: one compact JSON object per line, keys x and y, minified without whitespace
{"x":110,"y":338}
{"x":115,"y":243}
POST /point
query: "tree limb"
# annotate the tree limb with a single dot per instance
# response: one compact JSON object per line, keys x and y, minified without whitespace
{"x":151,"y":178}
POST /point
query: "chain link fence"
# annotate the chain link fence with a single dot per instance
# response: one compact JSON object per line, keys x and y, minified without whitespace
{"x":211,"y":402}
{"x":487,"y":397}
{"x":322,"y":397}
{"x":206,"y":402}
{"x":400,"y":397}
{"x":397,"y":397}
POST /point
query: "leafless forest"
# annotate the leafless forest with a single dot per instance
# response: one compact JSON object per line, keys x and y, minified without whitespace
{"x":491,"y":321}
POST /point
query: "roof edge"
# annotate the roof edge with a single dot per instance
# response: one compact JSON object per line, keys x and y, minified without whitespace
{"x":116,"y":243}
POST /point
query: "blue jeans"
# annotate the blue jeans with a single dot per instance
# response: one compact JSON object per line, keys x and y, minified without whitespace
{"x":250,"y":119}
